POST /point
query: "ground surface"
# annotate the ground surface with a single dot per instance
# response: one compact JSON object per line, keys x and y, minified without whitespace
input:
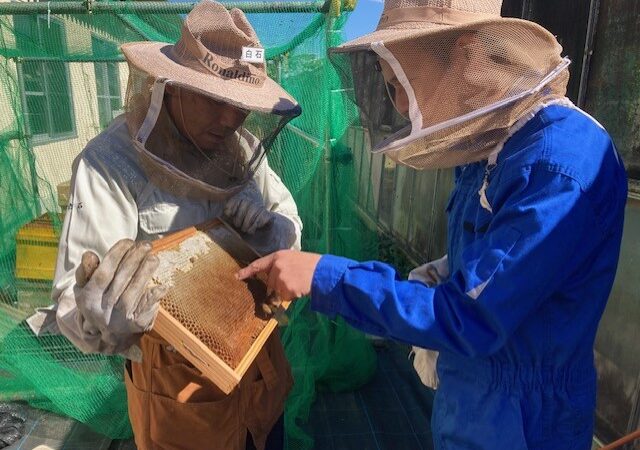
{"x":390,"y":413}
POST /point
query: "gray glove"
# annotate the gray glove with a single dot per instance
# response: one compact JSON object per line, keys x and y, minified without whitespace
{"x":113,"y":300}
{"x":246,"y":210}
{"x":279,"y":234}
{"x":266,"y":231}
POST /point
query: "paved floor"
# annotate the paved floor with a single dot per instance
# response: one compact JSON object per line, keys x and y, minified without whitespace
{"x":390,"y":413}
{"x":44,"y":430}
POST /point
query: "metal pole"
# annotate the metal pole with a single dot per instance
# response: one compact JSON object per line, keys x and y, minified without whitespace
{"x":328,"y":144}
{"x":594,"y":10}
{"x":155,"y":7}
{"x":335,"y":125}
{"x":69,"y":59}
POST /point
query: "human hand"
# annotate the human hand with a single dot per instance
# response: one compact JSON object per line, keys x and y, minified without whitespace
{"x":425,"y":361}
{"x":289,"y":272}
{"x":280,"y":234}
{"x":113,"y":299}
{"x":246,"y":210}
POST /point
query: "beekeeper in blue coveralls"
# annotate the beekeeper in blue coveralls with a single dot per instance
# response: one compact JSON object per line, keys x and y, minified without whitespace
{"x":534,"y":225}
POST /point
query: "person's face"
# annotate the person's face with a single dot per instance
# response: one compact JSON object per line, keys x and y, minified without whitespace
{"x":205,"y":121}
{"x":424,"y":71}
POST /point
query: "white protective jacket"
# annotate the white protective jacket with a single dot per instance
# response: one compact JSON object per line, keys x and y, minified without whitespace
{"x":111,"y":198}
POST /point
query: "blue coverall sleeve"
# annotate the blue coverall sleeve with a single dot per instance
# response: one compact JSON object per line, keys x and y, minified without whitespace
{"x":530,"y":247}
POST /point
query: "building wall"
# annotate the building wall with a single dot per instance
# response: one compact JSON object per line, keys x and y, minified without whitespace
{"x":619,"y":338}
{"x":8,"y":79}
{"x":54,"y":158}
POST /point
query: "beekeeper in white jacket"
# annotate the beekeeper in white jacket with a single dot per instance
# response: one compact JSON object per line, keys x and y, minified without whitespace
{"x":200,"y":117}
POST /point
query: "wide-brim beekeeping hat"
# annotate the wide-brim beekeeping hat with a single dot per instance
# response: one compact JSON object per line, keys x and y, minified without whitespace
{"x":458,"y":72}
{"x":219,"y":55}
{"x":404,"y":20}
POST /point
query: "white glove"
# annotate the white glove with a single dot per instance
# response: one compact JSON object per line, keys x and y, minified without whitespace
{"x":114,"y":303}
{"x":425,"y":361}
{"x":432,"y":273}
{"x":246,"y":210}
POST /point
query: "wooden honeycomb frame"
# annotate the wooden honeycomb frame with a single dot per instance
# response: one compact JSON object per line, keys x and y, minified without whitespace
{"x":187,"y":344}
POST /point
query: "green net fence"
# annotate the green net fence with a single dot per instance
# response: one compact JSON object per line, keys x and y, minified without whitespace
{"x":62,"y":81}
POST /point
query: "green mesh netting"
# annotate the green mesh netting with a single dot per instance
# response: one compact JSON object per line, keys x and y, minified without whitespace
{"x":62,"y":81}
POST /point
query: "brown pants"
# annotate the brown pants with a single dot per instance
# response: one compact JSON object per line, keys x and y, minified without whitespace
{"x":173,"y":406}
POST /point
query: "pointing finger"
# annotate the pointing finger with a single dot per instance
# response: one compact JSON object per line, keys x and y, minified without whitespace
{"x":259,"y":265}
{"x":272,"y":281}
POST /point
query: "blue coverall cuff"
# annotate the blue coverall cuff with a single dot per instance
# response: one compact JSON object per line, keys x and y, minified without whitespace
{"x":325,"y":297}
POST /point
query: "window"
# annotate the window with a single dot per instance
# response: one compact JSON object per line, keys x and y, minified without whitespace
{"x":107,"y":82}
{"x":45,"y":82}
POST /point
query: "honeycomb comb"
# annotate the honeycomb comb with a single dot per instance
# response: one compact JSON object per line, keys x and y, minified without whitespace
{"x":214,"y":320}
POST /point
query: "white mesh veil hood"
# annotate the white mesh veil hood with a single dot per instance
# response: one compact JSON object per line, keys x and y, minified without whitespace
{"x":218,"y":58}
{"x":461,"y":89}
{"x":175,"y":164}
{"x":172,"y":161}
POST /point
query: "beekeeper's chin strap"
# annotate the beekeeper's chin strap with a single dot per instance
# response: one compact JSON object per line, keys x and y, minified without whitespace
{"x":150,"y":120}
{"x":415,"y":115}
{"x":155,"y":106}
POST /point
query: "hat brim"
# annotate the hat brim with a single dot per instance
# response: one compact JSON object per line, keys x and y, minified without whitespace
{"x":153,"y":58}
{"x":397,"y":35}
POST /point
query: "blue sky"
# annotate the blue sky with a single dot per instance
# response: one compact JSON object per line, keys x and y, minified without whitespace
{"x":364,"y":18}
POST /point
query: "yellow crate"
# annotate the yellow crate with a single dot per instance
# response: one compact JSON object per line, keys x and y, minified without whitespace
{"x":36,"y":250}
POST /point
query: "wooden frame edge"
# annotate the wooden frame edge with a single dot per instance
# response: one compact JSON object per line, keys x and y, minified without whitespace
{"x":225,"y":377}
{"x":196,"y":352}
{"x":257,"y":345}
{"x":172,"y":240}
